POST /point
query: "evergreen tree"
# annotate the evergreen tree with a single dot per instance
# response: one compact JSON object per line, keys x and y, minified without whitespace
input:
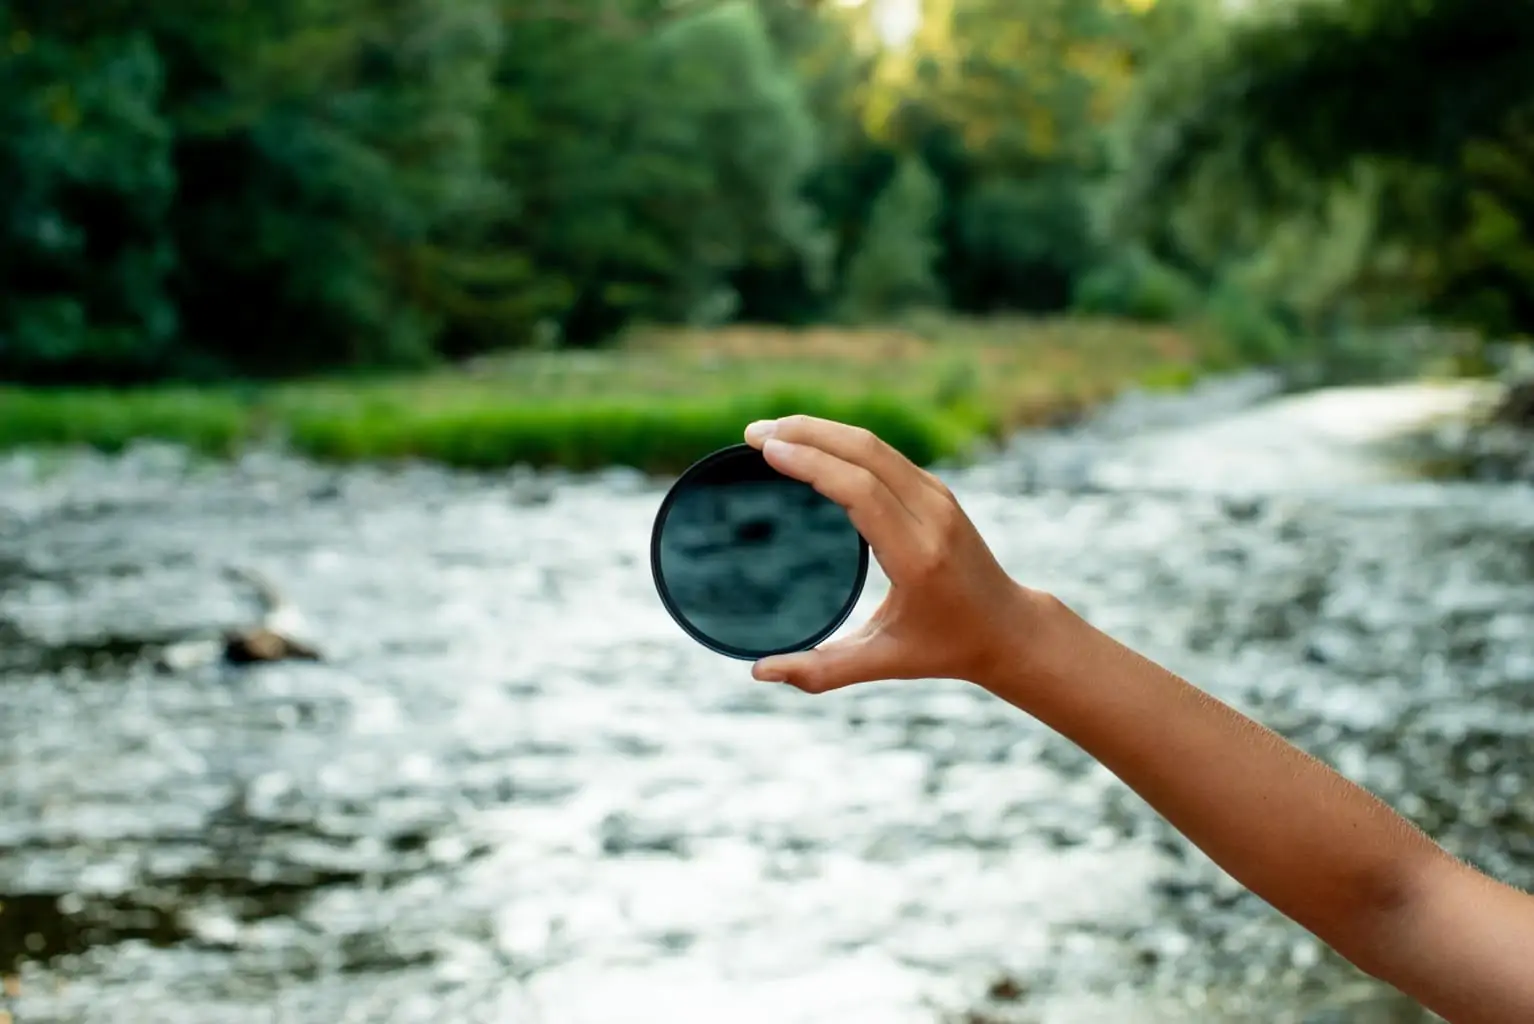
{"x":894,"y":269}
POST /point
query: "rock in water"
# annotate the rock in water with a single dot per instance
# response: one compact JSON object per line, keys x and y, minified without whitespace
{"x":1517,"y":406}
{"x":272,"y":640}
{"x":249,"y":646}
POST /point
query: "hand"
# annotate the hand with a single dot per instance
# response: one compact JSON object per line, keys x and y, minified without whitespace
{"x":952,"y":612}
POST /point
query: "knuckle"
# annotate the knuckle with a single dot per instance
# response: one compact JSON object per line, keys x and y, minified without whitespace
{"x":865,"y":487}
{"x":931,"y":559}
{"x":937,"y":486}
{"x":794,"y":426}
{"x":865,"y":442}
{"x":945,"y":521}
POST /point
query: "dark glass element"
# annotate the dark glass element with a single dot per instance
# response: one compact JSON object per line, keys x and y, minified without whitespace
{"x":750,"y":562}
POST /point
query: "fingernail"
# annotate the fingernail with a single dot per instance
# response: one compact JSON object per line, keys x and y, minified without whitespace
{"x":761,"y":430}
{"x":778,"y":448}
{"x":768,"y":673}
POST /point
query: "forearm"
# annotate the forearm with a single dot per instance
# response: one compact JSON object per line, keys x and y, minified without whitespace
{"x":1318,"y":848}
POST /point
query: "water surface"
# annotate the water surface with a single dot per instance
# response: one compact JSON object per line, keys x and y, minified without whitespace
{"x":516,"y":792}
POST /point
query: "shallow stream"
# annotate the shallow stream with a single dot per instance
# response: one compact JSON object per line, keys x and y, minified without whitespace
{"x":514,"y":791}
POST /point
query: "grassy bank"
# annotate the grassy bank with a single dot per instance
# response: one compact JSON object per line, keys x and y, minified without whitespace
{"x":656,"y":402}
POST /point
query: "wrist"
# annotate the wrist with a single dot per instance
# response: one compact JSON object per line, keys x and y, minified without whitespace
{"x":1038,"y":632}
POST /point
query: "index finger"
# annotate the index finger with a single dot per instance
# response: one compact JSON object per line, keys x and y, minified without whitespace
{"x":878,"y":515}
{"x":855,"y":445}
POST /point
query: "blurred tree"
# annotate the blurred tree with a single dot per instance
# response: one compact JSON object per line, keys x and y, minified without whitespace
{"x":1134,"y":284}
{"x":1396,"y":104}
{"x":722,"y":154}
{"x":1026,"y":84}
{"x":894,"y":270}
{"x":328,"y":150}
{"x":647,"y":183}
{"x":1009,"y":106}
{"x":1331,"y":81}
{"x":1022,"y":243}
{"x":86,"y":184}
{"x":316,"y":153}
{"x":1488,"y":274}
{"x":286,"y":186}
{"x":831,"y":50}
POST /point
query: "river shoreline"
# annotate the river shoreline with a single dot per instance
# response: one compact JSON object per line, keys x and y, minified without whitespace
{"x":1441,"y":427}
{"x":1494,"y":443}
{"x":654,"y":402}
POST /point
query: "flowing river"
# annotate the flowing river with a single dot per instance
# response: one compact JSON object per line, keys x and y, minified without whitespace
{"x":514,"y":791}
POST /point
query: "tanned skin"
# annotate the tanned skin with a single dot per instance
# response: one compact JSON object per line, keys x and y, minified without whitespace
{"x":1323,"y":851}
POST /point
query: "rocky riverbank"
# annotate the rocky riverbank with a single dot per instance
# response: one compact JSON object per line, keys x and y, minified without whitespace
{"x":1494,"y":444}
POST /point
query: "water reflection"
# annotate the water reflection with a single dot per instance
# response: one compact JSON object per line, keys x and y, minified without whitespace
{"x":516,"y":791}
{"x":759,"y":565}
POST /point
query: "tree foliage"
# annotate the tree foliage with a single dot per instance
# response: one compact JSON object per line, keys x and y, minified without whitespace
{"x":895,"y":268}
{"x":86,"y":188}
{"x":1412,"y":114}
{"x":212,"y":188}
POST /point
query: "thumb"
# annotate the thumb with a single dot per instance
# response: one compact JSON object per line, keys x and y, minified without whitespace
{"x":861,"y":658}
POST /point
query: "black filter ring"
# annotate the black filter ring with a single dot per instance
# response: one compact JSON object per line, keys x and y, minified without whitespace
{"x":752,"y":466}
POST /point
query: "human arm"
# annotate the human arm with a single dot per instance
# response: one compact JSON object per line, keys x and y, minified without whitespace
{"x":1320,"y":849}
